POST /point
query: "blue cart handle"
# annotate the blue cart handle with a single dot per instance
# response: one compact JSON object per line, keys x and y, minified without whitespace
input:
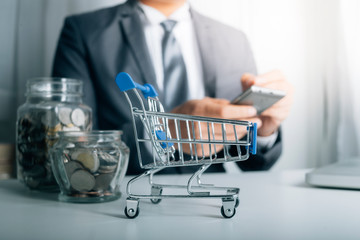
{"x":253,"y":130}
{"x":125,"y":83}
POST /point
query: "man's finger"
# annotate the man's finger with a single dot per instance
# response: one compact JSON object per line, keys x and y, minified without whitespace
{"x":237,"y":111}
{"x":279,"y":113}
{"x":240,"y":130}
{"x":218,"y":100}
{"x":247,"y":80}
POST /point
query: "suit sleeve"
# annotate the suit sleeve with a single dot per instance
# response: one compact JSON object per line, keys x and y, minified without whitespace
{"x":263,"y":160}
{"x":71,"y":61}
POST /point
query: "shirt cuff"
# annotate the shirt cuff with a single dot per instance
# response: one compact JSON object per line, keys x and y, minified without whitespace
{"x":265,"y":143}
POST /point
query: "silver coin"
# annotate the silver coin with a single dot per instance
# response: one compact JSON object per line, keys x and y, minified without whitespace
{"x":107,"y":168}
{"x":70,"y":128}
{"x":87,"y":158}
{"x":108,"y":163}
{"x":108,"y":158}
{"x":102,"y":182}
{"x":64,"y":115}
{"x":72,"y":166}
{"x":82,"y":181}
{"x":78,"y":117}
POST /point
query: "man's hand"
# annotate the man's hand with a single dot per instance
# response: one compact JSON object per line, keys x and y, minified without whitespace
{"x":216,"y":108}
{"x":273,"y":116}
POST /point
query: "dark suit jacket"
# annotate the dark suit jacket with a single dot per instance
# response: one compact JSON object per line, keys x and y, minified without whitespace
{"x":95,"y":46}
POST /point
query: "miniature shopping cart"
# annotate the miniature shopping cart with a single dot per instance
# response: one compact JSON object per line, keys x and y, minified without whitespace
{"x":176,"y":140}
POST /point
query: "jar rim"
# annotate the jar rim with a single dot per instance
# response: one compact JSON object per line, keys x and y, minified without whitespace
{"x":54,"y":79}
{"x":94,"y":133}
{"x":54,"y":87}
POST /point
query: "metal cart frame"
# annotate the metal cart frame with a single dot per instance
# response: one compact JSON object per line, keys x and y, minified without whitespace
{"x":168,"y":151}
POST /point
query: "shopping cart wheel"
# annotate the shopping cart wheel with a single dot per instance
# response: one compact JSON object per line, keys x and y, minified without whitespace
{"x":228,"y":212}
{"x":237,"y":202}
{"x":132,"y":207}
{"x":156,"y":191}
{"x":155,"y":200}
{"x":131,"y":213}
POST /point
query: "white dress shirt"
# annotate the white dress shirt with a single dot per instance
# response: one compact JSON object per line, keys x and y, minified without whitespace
{"x":185,"y":35}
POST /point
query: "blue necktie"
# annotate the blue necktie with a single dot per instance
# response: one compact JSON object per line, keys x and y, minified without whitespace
{"x":175,"y":77}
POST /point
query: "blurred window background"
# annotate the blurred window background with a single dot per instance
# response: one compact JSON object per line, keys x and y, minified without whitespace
{"x":314,"y":42}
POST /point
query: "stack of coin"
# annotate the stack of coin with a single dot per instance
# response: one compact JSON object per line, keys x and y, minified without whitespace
{"x":7,"y":157}
{"x":90,"y":172}
{"x":36,"y":133}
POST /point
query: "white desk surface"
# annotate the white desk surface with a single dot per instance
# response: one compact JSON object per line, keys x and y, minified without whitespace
{"x":273,"y":205}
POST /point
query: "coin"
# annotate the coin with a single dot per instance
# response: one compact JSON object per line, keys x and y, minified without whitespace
{"x":102,"y":182}
{"x":64,"y":115}
{"x":72,"y":166}
{"x":36,"y":132}
{"x":37,"y":171}
{"x":82,"y":181}
{"x":6,"y":153}
{"x":87,"y":158}
{"x":108,"y":193}
{"x":94,"y":194}
{"x":78,"y":195}
{"x":108,"y":158}
{"x":55,"y":129}
{"x":107,"y":168}
{"x":78,"y":117}
{"x":108,"y":163}
{"x":70,"y":128}
{"x":25,"y":122}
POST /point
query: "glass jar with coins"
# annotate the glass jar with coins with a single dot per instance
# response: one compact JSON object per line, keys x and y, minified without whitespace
{"x":52,"y":105}
{"x":89,"y":166}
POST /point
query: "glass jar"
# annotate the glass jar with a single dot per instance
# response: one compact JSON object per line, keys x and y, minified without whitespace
{"x":89,"y":166}
{"x":52,"y":105}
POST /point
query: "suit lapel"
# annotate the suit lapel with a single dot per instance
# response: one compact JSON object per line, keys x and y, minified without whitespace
{"x":134,"y":33}
{"x":205,"y":43}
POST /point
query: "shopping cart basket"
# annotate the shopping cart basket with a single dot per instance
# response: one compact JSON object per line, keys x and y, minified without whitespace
{"x":176,"y":140}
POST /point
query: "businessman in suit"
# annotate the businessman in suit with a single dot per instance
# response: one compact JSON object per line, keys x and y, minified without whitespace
{"x":170,"y":45}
